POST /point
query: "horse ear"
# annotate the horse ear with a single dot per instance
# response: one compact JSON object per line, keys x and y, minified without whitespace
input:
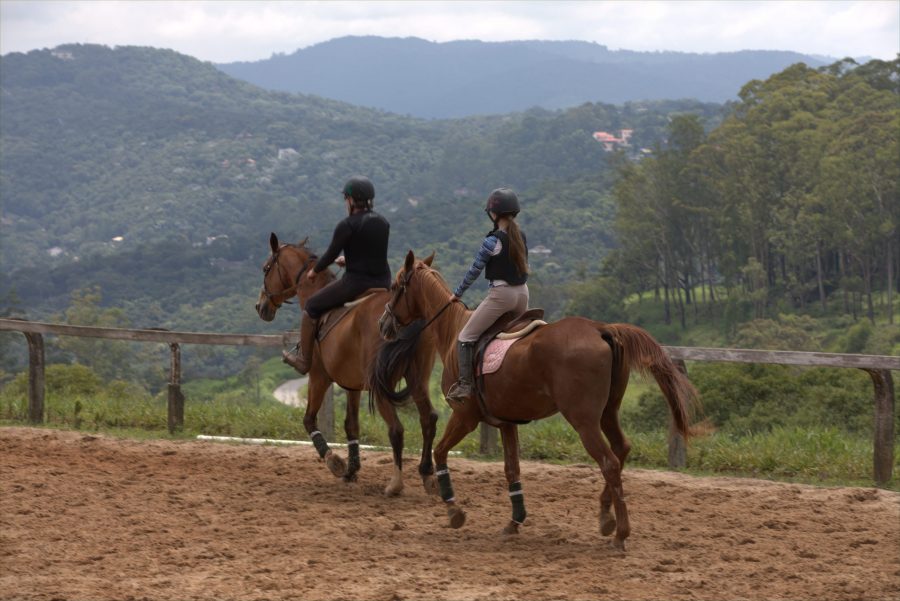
{"x":273,"y":242}
{"x":427,"y":260}
{"x":410,"y":259}
{"x":303,"y":242}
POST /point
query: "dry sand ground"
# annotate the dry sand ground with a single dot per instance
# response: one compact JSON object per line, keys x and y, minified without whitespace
{"x":93,"y":517}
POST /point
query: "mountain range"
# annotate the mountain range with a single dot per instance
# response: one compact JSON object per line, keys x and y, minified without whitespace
{"x":412,"y":76}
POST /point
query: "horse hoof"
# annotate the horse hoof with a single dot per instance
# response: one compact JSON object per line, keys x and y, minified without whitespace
{"x":431,"y":485}
{"x":457,"y":517}
{"x":617,"y":544}
{"x":607,"y":524}
{"x":392,"y":490}
{"x":511,"y":528}
{"x":336,"y":465}
{"x":350,"y":478}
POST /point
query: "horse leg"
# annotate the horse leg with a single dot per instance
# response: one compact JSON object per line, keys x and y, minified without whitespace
{"x":395,"y":435}
{"x":621,"y":446}
{"x":593,"y":442}
{"x":351,"y":429}
{"x":318,"y":385}
{"x":509,"y":434}
{"x":428,"y":418}
{"x":460,"y":424}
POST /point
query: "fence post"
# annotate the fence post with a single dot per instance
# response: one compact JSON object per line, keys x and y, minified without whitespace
{"x":488,"y":444}
{"x":677,"y":446}
{"x":883,"y":456}
{"x":35,"y":377}
{"x":176,"y":397}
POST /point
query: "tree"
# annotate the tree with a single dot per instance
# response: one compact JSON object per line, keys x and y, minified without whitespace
{"x":795,"y":191}
{"x":110,"y":359}
{"x":860,"y":175}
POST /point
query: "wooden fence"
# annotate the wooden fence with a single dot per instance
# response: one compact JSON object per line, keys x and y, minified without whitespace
{"x":877,"y":366}
{"x":34,"y":334}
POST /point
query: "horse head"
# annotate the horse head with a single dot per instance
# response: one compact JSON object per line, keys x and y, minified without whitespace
{"x":282,"y":276}
{"x":407,"y":300}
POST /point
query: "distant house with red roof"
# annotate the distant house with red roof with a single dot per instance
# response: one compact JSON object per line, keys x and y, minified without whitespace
{"x":611,"y":142}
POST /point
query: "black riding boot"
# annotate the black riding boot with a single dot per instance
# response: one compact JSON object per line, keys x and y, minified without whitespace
{"x":463,"y":387}
{"x":302,"y":358}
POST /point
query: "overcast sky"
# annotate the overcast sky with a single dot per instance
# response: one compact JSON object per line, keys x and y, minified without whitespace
{"x":232,"y":31}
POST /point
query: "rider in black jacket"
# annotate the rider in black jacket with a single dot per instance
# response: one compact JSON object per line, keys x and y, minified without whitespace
{"x":363,"y":238}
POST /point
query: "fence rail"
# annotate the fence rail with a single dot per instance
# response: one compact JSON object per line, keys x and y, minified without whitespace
{"x":149,"y":335}
{"x":877,"y":366}
{"x":34,"y":331}
{"x":690,"y":353}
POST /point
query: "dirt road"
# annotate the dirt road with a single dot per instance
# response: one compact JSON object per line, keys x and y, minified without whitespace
{"x":289,"y":392}
{"x":92,"y":517}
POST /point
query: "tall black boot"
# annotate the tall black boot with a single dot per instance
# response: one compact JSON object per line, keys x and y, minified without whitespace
{"x":463,"y":387}
{"x":302,"y":358}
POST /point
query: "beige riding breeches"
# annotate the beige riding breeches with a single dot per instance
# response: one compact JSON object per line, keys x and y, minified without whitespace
{"x":499,"y":300}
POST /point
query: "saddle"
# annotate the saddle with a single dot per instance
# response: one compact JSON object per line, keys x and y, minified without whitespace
{"x":509,"y":327}
{"x":334,"y":316}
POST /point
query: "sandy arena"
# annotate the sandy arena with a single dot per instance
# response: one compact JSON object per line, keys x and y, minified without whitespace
{"x":96,"y":518}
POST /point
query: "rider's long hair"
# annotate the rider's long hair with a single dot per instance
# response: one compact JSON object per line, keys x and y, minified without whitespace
{"x":517,"y":252}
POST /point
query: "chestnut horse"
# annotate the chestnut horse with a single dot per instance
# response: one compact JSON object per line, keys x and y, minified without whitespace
{"x":574,"y":366}
{"x":345,"y":356}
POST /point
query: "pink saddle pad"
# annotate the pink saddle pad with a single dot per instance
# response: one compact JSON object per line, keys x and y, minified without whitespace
{"x":494,"y":354}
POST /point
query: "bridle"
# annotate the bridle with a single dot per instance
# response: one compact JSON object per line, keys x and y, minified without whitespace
{"x":389,"y":311}
{"x":291,"y":290}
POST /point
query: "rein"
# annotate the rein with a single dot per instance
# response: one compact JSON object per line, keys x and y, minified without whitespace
{"x":438,"y":314}
{"x":290,"y":291}
{"x":389,"y":310}
{"x":413,"y":328}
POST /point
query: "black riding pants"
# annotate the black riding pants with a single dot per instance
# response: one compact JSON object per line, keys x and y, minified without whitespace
{"x":342,"y":291}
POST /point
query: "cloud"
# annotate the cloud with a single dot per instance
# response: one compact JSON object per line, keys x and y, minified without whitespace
{"x":238,"y":30}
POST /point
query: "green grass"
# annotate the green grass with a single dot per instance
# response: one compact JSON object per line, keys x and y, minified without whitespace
{"x":816,"y":455}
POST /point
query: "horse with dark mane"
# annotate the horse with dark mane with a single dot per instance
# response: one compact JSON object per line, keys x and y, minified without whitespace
{"x":345,"y":357}
{"x":575,"y":366}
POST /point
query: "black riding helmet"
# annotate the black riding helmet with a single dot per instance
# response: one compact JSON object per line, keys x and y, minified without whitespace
{"x":502,"y":201}
{"x":360,"y":189}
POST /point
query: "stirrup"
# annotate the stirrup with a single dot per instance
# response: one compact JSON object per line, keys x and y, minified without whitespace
{"x":294,"y":358}
{"x":460,"y":391}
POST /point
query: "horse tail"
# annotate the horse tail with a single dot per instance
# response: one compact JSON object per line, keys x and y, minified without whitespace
{"x":639,"y":350}
{"x":393,"y":361}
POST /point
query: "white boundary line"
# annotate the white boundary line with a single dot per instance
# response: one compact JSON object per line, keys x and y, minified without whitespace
{"x":275,"y":441}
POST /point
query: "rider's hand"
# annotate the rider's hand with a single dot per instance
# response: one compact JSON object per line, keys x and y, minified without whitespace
{"x":340,"y":261}
{"x":452,"y":298}
{"x":311,"y":274}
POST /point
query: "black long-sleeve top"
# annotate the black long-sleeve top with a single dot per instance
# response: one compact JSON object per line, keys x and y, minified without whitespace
{"x":364,"y":239}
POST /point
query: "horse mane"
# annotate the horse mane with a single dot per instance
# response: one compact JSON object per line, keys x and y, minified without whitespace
{"x":303,"y":245}
{"x":435,"y":274}
{"x":396,"y":356}
{"x":393,"y":361}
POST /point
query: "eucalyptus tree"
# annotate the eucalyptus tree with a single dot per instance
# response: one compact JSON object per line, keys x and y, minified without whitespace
{"x":860,"y":174}
{"x":795,"y":192}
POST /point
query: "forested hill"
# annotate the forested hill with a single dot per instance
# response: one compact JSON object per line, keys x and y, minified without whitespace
{"x":455,"y":79}
{"x":157,"y":178}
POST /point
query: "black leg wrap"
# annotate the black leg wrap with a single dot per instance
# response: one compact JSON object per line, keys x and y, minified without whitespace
{"x":443,"y":477}
{"x":353,"y":463}
{"x":517,"y":498}
{"x":319,"y":442}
